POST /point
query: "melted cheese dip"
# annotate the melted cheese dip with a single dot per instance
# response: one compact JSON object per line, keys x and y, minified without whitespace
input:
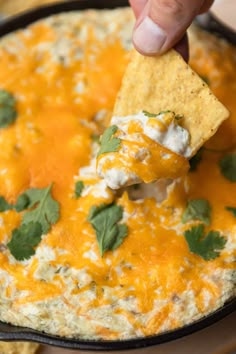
{"x":65,"y":72}
{"x":137,"y":160}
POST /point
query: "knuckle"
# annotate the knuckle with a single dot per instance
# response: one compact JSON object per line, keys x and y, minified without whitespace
{"x":172,"y":7}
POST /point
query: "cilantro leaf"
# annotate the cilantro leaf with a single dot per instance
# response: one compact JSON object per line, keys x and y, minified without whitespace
{"x":109,"y":143}
{"x":104,"y":219}
{"x":8,"y":112}
{"x":122,"y":233}
{"x":153,"y":115}
{"x":95,"y":210}
{"x":148,"y":114}
{"x":79,"y":186}
{"x":22,"y":202}
{"x":228,"y":167}
{"x":207,"y":247}
{"x":232,"y":210}
{"x":197,"y":209}
{"x":24,"y":239}
{"x":195,"y":160}
{"x":43,"y":212}
{"x":45,"y":209}
{"x":4,"y":205}
{"x":95,"y":138}
{"x":164,"y":112}
{"x":6,"y":98}
{"x":179,"y":116}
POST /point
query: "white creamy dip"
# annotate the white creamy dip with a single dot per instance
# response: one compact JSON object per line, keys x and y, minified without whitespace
{"x":162,"y":128}
{"x":174,"y":137}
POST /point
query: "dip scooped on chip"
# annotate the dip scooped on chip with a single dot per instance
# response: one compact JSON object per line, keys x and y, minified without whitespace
{"x":163,"y":114}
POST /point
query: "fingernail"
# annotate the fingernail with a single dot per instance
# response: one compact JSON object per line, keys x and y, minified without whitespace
{"x":149,"y":37}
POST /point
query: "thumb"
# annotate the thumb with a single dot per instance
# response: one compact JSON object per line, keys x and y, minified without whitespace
{"x":163,"y":23}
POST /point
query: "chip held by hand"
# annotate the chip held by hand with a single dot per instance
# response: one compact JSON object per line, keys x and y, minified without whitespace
{"x":164,"y":112}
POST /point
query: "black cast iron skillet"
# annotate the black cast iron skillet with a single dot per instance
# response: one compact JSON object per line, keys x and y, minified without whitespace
{"x":210,"y":23}
{"x":14,"y":333}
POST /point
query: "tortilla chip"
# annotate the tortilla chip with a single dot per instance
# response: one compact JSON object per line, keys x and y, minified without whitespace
{"x":166,"y":82}
{"x":18,"y":348}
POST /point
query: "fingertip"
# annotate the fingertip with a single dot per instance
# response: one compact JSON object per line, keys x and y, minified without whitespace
{"x":148,"y":37}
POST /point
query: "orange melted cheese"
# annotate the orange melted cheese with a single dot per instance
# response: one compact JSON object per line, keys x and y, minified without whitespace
{"x":140,"y":157}
{"x":171,"y":167}
{"x":51,"y":141}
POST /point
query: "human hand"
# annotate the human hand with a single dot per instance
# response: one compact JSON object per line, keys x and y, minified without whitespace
{"x":162,"y":24}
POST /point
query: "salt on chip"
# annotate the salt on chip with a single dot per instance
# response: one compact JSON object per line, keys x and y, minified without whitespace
{"x":167,"y":82}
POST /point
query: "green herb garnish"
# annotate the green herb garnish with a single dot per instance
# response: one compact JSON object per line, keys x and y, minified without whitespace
{"x":232,"y":210}
{"x":195,"y":160}
{"x":21,"y":204}
{"x":164,"y":112}
{"x":179,"y":116}
{"x":148,"y":114}
{"x":43,"y":212}
{"x":8,"y":112}
{"x":197,"y":209}
{"x":109,"y":143}
{"x":45,"y":209}
{"x":206,"y":246}
{"x":79,"y":186}
{"x":228,"y":167}
{"x":95,"y":138}
{"x":24,"y":240}
{"x":4,"y":205}
{"x":104,"y":219}
{"x":153,"y":115}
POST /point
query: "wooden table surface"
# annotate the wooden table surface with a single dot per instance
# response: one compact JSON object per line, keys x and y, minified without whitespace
{"x":11,"y":7}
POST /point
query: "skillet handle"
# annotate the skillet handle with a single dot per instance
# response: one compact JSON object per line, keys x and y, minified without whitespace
{"x":210,"y":23}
